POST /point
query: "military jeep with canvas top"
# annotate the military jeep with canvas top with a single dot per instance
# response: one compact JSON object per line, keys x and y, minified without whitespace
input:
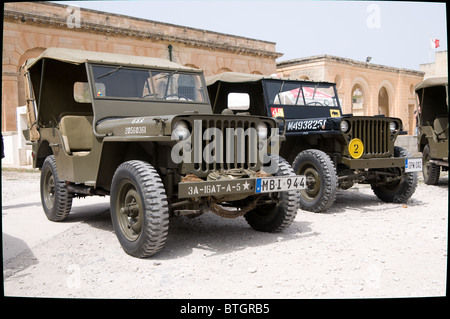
{"x":142,"y":131}
{"x":330,"y":148}
{"x":432,"y":126}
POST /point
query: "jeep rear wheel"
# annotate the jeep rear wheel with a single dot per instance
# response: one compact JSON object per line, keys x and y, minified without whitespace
{"x":398,"y":191}
{"x":430,"y":171}
{"x":139,"y":209}
{"x":321,"y":180}
{"x":278,"y":216}
{"x":56,"y":200}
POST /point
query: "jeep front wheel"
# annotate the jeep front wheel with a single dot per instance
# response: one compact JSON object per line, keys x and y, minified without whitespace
{"x":279,"y":215}
{"x":56,"y":200}
{"x":321,"y":180}
{"x":397,"y":191}
{"x":139,"y":209}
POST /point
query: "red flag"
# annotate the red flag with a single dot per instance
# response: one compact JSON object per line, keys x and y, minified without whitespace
{"x":434,"y":43}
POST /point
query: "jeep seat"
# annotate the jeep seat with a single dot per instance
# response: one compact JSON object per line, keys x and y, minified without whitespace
{"x":76,"y":131}
{"x":440,"y":126}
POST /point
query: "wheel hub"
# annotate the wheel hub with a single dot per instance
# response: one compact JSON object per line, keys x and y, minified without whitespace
{"x":50,"y":190}
{"x":312,"y":183}
{"x":130,"y":214}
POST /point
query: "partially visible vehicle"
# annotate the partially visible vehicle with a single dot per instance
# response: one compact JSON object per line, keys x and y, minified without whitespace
{"x":330,"y":148}
{"x":432,"y":127}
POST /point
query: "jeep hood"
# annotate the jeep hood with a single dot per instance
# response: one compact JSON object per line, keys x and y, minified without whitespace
{"x":136,"y":126}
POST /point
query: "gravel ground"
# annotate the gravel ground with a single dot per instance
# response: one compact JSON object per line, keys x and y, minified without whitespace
{"x":360,"y":248}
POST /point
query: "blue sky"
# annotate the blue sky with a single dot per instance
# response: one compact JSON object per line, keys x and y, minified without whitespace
{"x":393,"y":33}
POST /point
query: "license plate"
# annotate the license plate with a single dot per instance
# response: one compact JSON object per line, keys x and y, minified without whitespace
{"x":280,"y":184}
{"x":413,"y":165}
{"x":215,"y":188}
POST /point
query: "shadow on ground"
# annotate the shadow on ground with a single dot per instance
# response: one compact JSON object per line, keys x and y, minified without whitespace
{"x":209,"y":232}
{"x":11,"y":264}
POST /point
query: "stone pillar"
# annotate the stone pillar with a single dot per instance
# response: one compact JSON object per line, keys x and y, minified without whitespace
{"x":9,"y":100}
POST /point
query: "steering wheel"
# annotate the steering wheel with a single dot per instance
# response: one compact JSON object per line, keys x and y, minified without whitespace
{"x":315,"y":103}
{"x":180,"y":96}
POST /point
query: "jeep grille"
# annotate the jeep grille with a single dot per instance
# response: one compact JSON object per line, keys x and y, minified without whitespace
{"x":375,"y":135}
{"x":244,"y":155}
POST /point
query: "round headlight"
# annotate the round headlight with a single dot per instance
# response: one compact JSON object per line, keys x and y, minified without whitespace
{"x":180,"y":131}
{"x":345,"y":126}
{"x":393,"y":126}
{"x":262,"y":131}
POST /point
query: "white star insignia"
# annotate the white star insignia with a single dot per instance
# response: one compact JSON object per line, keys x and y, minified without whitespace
{"x":246,"y":185}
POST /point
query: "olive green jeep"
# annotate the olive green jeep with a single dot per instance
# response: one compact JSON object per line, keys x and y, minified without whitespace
{"x":330,"y":148}
{"x":432,"y":127}
{"x":142,"y":131}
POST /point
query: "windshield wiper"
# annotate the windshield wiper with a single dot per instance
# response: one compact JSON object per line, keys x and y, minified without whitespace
{"x":314,"y":93}
{"x":279,"y":91}
{"x":110,"y":72}
{"x":300,"y":91}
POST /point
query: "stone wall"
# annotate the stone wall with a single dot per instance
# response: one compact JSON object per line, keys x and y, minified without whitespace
{"x":31,"y":27}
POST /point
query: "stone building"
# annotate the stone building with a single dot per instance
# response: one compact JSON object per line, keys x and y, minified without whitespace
{"x":31,"y":27}
{"x":437,"y":68}
{"x":363,"y":87}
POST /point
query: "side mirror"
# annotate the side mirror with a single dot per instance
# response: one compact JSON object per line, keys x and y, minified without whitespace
{"x":238,"y":101}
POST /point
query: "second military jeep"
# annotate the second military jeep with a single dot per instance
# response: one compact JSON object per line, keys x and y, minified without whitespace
{"x":329,"y":148}
{"x":432,"y":127}
{"x":142,"y":131}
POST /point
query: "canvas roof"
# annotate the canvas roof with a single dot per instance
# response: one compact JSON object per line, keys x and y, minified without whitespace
{"x":236,"y":77}
{"x":80,"y":56}
{"x":435,"y":81}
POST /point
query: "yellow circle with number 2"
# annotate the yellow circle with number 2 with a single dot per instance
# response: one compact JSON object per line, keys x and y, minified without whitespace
{"x":356,"y":148}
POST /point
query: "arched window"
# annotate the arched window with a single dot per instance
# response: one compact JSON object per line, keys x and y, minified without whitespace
{"x":357,"y":100}
{"x":338,"y":81}
{"x":383,"y":102}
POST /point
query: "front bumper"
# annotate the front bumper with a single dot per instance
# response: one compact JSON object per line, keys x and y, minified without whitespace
{"x":374,"y":163}
{"x":250,"y":186}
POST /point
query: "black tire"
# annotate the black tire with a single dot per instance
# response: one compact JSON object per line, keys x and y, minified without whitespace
{"x":430,"y":171}
{"x":401,"y":190}
{"x":279,"y":216}
{"x":56,"y":200}
{"x":321,"y":180}
{"x":139,"y":209}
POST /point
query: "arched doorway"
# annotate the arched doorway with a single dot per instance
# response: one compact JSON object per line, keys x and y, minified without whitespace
{"x":383,"y":102}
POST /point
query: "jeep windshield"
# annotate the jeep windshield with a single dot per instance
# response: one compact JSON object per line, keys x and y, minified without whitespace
{"x":288,"y":93}
{"x":119,"y":82}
